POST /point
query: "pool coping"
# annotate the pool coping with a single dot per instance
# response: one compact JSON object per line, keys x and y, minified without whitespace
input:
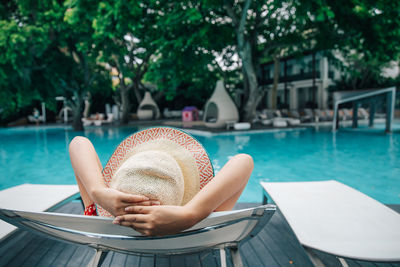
{"x":242,"y":132}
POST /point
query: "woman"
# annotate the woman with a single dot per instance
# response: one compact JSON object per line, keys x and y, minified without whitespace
{"x":144,"y":213}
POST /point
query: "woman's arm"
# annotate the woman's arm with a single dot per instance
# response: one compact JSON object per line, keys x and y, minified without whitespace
{"x":221,"y":193}
{"x":87,"y":168}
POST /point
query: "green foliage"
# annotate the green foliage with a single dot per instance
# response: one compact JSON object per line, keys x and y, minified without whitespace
{"x":50,"y":48}
{"x":45,"y":50}
{"x":186,"y":47}
{"x":367,"y":34}
{"x":21,"y":48}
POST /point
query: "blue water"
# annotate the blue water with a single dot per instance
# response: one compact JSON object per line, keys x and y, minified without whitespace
{"x":366,"y":160}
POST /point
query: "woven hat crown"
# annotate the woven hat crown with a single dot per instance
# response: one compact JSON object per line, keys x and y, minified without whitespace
{"x":154,"y":174}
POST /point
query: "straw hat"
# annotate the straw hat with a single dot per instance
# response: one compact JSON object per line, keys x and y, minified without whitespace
{"x":161,"y":163}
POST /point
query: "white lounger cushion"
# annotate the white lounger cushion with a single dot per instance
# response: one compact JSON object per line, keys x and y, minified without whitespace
{"x":334,"y":218}
{"x":32,"y":197}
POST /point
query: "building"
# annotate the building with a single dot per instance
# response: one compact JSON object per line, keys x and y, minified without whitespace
{"x":303,"y":82}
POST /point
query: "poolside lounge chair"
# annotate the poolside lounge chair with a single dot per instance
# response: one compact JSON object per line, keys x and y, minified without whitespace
{"x":32,"y":118}
{"x":294,"y":114}
{"x":331,"y":217}
{"x":363,"y":114}
{"x":308,"y":115}
{"x":279,"y":122}
{"x":34,"y":197}
{"x":320,"y":115}
{"x":98,"y":119}
{"x":283,"y":116}
{"x":221,"y":230}
{"x":264,"y":118}
{"x":348,"y":115}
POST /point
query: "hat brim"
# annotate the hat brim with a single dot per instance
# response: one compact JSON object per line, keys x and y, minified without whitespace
{"x":184,"y":140}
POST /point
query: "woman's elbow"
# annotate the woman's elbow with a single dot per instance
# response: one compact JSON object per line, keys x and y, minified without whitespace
{"x":246,"y":160}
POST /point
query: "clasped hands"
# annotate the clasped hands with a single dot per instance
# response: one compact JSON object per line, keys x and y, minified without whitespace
{"x":145,"y":215}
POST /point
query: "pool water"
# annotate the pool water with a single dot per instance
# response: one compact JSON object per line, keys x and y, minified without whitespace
{"x":366,"y":160}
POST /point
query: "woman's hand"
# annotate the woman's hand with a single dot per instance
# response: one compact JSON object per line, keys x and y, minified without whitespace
{"x":115,"y":201}
{"x":157,"y":220}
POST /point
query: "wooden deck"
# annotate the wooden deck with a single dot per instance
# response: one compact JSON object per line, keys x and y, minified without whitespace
{"x":275,"y":245}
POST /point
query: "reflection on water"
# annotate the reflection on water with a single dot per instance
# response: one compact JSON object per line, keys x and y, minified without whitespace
{"x":367,"y":161}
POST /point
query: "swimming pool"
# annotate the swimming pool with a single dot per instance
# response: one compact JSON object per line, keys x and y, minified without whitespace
{"x":368,"y":161}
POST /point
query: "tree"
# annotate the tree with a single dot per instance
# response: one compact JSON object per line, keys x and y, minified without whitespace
{"x":185,"y":65}
{"x":75,"y":41}
{"x":261,"y":30}
{"x":370,"y":42}
{"x":47,"y":54}
{"x":126,"y":31}
{"x":23,"y":41}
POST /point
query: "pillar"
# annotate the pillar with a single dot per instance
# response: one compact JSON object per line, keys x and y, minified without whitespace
{"x":389,"y":110}
{"x":355,"y":114}
{"x":371,"y":113}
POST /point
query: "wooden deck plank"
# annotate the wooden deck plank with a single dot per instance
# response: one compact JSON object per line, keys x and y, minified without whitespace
{"x":277,"y":254}
{"x":118,"y":259}
{"x":162,"y":261}
{"x":66,"y":254}
{"x":108,"y":259}
{"x":278,"y":238}
{"x":132,"y":260}
{"x":253,"y":259}
{"x":147,"y":261}
{"x":328,"y":260}
{"x":81,"y":256}
{"x":207,"y":259}
{"x":27,"y":252}
{"x":291,"y":253}
{"x":177,"y":260}
{"x":217,"y":257}
{"x":40,"y":254}
{"x":192,"y":260}
{"x":22,"y":238}
{"x":50,"y":257}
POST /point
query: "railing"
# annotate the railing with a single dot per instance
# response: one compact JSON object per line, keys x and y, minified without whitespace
{"x":291,"y":78}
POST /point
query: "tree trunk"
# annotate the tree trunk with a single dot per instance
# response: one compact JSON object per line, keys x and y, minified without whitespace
{"x":274,"y":91}
{"x":77,"y":124}
{"x":137,"y":92}
{"x":254,"y":95}
{"x":244,"y":48}
{"x":126,"y":105}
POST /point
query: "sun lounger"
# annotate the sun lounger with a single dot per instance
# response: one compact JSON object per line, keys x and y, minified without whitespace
{"x":242,"y":126}
{"x":264,"y":118}
{"x":363,"y":114}
{"x":218,"y":231}
{"x":308,"y":115}
{"x":279,"y":122}
{"x":323,"y":115}
{"x":329,"y":114}
{"x":348,"y":115}
{"x":34,"y":197}
{"x":336,"y":219}
{"x":283,"y":116}
{"x":320,"y":115}
{"x":98,"y":120}
{"x":294,"y":114}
